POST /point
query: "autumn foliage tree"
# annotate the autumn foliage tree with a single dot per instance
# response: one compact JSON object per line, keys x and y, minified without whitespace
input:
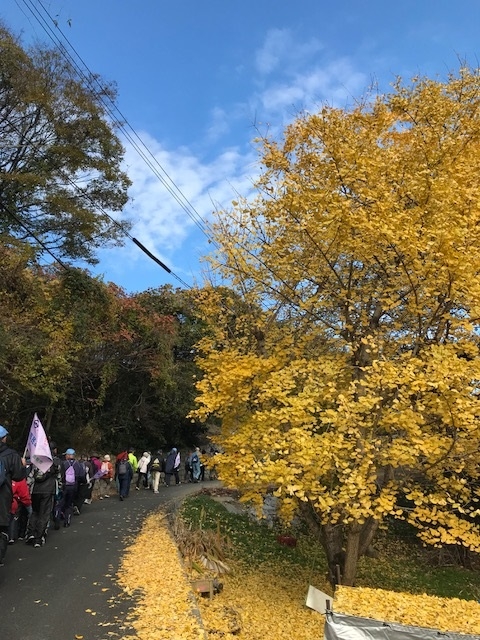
{"x":348,"y":379}
{"x":60,"y":157}
{"x":103,"y":369}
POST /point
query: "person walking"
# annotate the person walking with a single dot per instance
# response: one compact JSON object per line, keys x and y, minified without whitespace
{"x":196,"y":465}
{"x":72,"y":475}
{"x":96,"y":465}
{"x":142,"y":477}
{"x":85,"y":485}
{"x":156,"y":468}
{"x":133,"y":468}
{"x":187,"y":474}
{"x":12,"y":468}
{"x":172,"y":465}
{"x":20,"y":511}
{"x":44,"y":490}
{"x":105,"y":479}
{"x":123,"y":473}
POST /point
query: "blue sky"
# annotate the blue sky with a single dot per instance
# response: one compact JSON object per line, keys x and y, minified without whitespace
{"x":197,"y":78}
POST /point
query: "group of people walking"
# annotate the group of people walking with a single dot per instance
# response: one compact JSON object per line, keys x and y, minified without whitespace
{"x":34,"y":501}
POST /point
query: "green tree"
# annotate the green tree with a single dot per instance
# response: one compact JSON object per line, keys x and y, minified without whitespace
{"x":60,"y":157}
{"x":37,"y":351}
{"x":350,"y":383}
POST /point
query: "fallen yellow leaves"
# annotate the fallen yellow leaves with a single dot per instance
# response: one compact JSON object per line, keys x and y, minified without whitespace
{"x":260,"y":604}
{"x":254,"y":604}
{"x":445,"y":614}
{"x":153,"y":572}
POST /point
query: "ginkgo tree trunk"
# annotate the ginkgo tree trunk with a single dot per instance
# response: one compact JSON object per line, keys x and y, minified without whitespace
{"x":344,"y":364}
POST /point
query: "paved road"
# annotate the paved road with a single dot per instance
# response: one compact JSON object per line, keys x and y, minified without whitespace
{"x":65,"y":590}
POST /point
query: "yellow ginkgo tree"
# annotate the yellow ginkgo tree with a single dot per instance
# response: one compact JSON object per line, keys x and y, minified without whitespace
{"x":343,"y":364}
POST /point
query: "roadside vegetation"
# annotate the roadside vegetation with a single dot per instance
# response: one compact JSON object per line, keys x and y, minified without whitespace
{"x":261,"y":585}
{"x":403,"y":564}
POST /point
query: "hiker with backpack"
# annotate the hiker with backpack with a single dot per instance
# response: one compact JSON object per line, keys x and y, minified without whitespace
{"x":142,"y":477}
{"x":105,"y":477}
{"x":12,"y":468}
{"x":85,"y":485}
{"x":95,"y":473}
{"x":156,"y":467}
{"x":124,"y":475}
{"x":43,"y":489}
{"x":72,"y":474}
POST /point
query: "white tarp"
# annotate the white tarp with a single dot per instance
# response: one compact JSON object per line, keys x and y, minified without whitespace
{"x":339,"y":626}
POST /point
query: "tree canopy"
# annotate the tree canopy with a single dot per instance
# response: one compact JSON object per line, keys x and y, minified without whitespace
{"x":102,"y":368}
{"x":348,"y":380}
{"x":60,"y":175}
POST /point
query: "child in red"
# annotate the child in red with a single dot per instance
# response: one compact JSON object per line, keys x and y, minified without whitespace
{"x":20,"y":510}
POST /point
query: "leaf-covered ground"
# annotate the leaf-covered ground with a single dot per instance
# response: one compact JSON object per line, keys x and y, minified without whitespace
{"x":263,"y":595}
{"x":153,"y":573}
{"x":266,"y":602}
{"x":445,"y":614}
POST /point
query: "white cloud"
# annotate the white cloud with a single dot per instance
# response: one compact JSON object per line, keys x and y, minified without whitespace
{"x":281,"y":51}
{"x":335,"y":83}
{"x":162,"y":221}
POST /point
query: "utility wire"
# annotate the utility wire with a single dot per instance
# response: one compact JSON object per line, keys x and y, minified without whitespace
{"x":87,"y":196}
{"x":30,"y":233}
{"x":117,"y":116}
{"x":46,"y":27}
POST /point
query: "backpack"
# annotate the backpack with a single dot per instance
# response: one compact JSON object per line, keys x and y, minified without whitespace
{"x":70,"y":477}
{"x":156,"y":466}
{"x":122,"y":467}
{"x":39,"y":475}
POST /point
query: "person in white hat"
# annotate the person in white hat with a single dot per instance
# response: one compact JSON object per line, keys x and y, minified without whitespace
{"x":105,"y":480}
{"x":142,"y":469}
{"x":12,"y":467}
{"x":72,"y":474}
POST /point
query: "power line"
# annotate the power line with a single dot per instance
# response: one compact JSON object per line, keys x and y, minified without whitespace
{"x":120,"y":120}
{"x":31,"y":233}
{"x":100,"y":95}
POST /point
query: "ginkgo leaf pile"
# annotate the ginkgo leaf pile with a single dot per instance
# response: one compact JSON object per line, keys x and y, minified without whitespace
{"x":263,"y":603}
{"x":253,"y":604}
{"x":445,"y":614}
{"x":153,"y":574}
{"x":343,"y":364}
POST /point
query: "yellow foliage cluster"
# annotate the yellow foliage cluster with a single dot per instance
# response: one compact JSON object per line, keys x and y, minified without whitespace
{"x":344,"y":363}
{"x":253,"y":605}
{"x":445,"y":614}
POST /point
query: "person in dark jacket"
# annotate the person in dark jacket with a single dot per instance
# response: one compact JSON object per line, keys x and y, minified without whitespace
{"x":172,"y":465}
{"x":14,"y":470}
{"x":44,"y":490}
{"x":124,"y":474}
{"x":72,"y":475}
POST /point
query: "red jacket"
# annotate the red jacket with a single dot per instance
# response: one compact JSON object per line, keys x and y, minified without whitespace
{"x":21,"y":495}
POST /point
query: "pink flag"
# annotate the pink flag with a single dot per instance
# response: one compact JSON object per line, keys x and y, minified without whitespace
{"x":38,"y":447}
